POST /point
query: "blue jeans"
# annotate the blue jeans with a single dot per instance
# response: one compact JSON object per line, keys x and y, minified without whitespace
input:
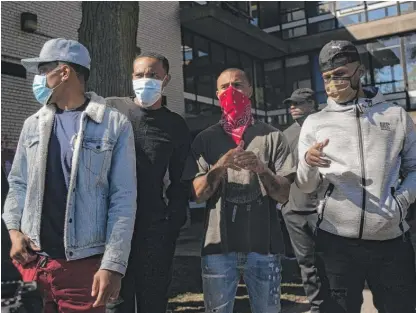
{"x":221,"y":274}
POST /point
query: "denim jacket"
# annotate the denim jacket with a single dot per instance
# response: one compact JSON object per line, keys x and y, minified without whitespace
{"x":101,"y":203}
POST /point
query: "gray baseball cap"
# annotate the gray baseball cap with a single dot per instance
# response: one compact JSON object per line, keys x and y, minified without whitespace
{"x":59,"y":49}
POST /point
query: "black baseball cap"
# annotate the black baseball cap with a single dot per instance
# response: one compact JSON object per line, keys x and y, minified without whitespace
{"x":300,"y":95}
{"x":337,"y":53}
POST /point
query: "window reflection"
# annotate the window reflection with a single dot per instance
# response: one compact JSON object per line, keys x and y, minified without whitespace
{"x":386,"y":60}
{"x":342,"y":5}
{"x":407,"y":7}
{"x":351,"y":19}
{"x":274,"y":84}
{"x":410,"y":55}
{"x":294,"y":32}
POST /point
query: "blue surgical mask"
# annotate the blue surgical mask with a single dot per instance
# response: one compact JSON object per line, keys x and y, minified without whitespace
{"x":147,"y":90}
{"x":40,"y":89}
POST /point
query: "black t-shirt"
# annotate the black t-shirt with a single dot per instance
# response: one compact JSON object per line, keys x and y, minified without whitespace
{"x":162,"y":142}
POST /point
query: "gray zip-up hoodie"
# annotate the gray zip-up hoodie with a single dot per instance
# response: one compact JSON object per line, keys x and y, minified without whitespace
{"x":360,"y":194}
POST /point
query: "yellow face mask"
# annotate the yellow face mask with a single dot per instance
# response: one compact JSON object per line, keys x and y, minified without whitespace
{"x":340,"y":89}
{"x":340,"y":93}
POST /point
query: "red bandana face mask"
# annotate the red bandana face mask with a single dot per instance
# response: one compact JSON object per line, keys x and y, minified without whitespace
{"x":236,"y":113}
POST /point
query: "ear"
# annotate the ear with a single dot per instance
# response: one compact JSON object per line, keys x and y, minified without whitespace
{"x":66,"y":72}
{"x":218,"y":95}
{"x":167,"y":80}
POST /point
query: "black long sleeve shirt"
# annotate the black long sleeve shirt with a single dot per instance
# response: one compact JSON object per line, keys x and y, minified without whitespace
{"x":162,"y":141}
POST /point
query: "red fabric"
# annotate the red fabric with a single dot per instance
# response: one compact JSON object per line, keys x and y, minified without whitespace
{"x":236,"y":113}
{"x":66,"y":286}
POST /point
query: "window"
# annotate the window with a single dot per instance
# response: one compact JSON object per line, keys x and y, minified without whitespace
{"x":233,"y":59}
{"x":188,"y":56}
{"x":323,"y":7}
{"x":291,"y":11}
{"x":292,"y":16}
{"x":410,"y":55}
{"x":298,"y":73}
{"x":254,"y":9}
{"x":201,"y":50}
{"x":343,"y":5}
{"x":13,"y":69}
{"x":365,"y":60}
{"x":318,"y":82}
{"x":294,"y":32}
{"x":204,"y":86}
{"x":407,"y":7}
{"x":351,"y":19}
{"x":387,"y":69}
{"x":323,"y":26}
{"x":274,"y":84}
{"x":217,"y":58}
{"x":269,"y":13}
{"x":191,"y":107}
{"x":258,"y":85}
{"x":382,"y":13}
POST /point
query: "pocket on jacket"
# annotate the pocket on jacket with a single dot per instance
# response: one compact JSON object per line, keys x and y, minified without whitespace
{"x":96,"y":156}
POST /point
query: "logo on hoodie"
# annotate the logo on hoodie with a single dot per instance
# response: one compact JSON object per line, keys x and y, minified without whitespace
{"x":385,"y":126}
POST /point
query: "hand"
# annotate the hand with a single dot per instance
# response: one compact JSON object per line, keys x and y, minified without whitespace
{"x":315,"y":157}
{"x":106,"y":287}
{"x":249,"y":161}
{"x":227,"y":160}
{"x":23,"y":248}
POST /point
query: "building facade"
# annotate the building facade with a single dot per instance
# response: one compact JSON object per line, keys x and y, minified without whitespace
{"x":293,"y":33}
{"x":276,"y":43}
{"x":158,"y":30}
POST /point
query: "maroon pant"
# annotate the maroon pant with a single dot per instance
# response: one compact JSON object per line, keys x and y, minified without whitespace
{"x":66,"y":286}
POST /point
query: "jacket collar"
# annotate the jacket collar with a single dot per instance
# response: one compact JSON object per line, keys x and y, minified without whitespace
{"x":95,"y":108}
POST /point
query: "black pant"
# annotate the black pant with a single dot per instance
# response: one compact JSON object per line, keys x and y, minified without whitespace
{"x":303,"y":243}
{"x":149,"y":271}
{"x":387,"y":266}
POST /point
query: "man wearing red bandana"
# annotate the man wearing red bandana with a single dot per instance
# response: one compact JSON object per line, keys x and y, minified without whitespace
{"x":241,"y":168}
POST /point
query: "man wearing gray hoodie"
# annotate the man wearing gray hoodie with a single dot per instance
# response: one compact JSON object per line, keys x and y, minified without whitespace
{"x":351,"y":154}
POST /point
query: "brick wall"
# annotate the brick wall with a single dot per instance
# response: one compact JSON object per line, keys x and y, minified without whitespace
{"x":159,"y":31}
{"x":55,"y":19}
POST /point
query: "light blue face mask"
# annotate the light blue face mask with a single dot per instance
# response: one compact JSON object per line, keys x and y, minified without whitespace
{"x":147,"y":90}
{"x":40,"y":89}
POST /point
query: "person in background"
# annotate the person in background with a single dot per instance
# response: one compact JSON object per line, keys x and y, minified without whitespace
{"x":299,"y":212}
{"x":241,"y":168}
{"x":351,"y":153}
{"x":162,"y":142}
{"x":72,"y":199}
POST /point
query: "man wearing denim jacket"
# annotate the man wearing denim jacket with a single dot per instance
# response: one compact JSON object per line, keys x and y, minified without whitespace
{"x":72,"y":200}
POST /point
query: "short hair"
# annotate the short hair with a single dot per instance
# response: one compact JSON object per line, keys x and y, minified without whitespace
{"x":82,"y":72}
{"x":157,"y":56}
{"x":235,"y":69}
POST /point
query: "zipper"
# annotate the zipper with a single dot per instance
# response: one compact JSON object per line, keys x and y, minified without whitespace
{"x":393,"y":192}
{"x":363,"y":179}
{"x":322,"y":206}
